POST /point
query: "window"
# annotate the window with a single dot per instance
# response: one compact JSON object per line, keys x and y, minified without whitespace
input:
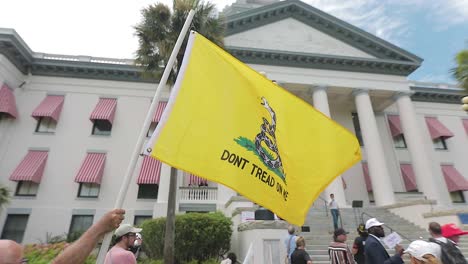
{"x":357,"y":129}
{"x":139,"y":219}
{"x":148,"y":191}
{"x":79,"y":224}
{"x":46,"y":125}
{"x":14,"y":227}
{"x":151,"y":129}
{"x":439,"y":143}
{"x":399,"y":141}
{"x":371,"y":197}
{"x":89,"y":190}
{"x":457,"y":197}
{"x":26,"y":188}
{"x":102,"y":127}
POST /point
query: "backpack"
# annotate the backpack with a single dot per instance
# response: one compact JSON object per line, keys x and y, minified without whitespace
{"x":450,"y":253}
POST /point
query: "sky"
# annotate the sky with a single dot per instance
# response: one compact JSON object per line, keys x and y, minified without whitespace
{"x":434,"y":30}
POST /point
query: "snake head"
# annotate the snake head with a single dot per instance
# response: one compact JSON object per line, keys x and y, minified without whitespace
{"x":264,"y":101}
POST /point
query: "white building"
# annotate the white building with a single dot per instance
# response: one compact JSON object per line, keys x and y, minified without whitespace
{"x":68,"y":124}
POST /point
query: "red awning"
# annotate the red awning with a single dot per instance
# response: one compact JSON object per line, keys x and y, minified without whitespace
{"x":31,"y":167}
{"x":104,"y":110}
{"x":465,"y":124}
{"x":159,"y":111}
{"x":408,"y":177}
{"x":51,"y":107}
{"x":454,"y":180}
{"x":395,"y":125}
{"x":367,"y":179}
{"x":437,"y":129}
{"x":150,"y":171}
{"x":196,"y":181}
{"x":7,"y":101}
{"x":92,"y":168}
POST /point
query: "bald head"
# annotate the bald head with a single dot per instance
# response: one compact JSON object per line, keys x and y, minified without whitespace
{"x":10,"y":251}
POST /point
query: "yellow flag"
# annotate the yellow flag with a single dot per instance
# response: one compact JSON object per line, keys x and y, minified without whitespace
{"x":227,"y":123}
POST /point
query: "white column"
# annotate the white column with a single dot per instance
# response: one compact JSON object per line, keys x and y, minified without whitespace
{"x":160,"y":207}
{"x":320,"y":99}
{"x":428,"y":182}
{"x":381,"y":182}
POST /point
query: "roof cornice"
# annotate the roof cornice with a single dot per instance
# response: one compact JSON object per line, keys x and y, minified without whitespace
{"x":319,"y":20}
{"x":422,"y":93}
{"x":17,"y":51}
{"x":320,"y":61}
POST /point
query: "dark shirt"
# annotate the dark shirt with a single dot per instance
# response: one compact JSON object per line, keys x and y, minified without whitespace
{"x":299,"y":256}
{"x":359,"y":243}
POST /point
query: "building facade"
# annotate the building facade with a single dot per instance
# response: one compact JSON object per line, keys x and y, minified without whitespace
{"x":68,"y":124}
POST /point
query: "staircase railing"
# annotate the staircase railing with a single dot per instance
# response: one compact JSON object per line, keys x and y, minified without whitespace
{"x":326,"y":205}
{"x":386,"y":225}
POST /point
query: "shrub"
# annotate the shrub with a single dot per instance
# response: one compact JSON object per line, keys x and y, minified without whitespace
{"x":198,"y":236}
{"x":45,"y":253}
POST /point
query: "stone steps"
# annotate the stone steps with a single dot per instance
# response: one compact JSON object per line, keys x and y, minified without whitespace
{"x":320,"y":235}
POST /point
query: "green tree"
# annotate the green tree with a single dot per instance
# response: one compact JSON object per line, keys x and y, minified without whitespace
{"x":460,"y":72}
{"x":158,"y":31}
{"x":4,"y":196}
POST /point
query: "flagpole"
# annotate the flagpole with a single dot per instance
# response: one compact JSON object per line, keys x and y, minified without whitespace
{"x":137,"y":150}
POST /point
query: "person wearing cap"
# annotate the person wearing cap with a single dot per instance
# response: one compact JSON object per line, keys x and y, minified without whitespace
{"x":374,"y":250}
{"x":125,"y":237}
{"x":447,"y":237}
{"x":338,"y":250}
{"x":422,"y":252}
{"x":359,"y":243}
{"x":452,"y":232}
{"x":77,"y":252}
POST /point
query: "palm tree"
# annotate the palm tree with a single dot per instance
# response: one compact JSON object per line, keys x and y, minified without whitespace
{"x":158,"y":31}
{"x":157,"y":34}
{"x":461,"y":71}
{"x":4,"y":196}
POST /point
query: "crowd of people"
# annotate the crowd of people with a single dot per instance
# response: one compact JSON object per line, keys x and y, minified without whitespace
{"x":368,"y":247}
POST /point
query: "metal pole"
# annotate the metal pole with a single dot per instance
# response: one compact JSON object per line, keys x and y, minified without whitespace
{"x":136,"y":151}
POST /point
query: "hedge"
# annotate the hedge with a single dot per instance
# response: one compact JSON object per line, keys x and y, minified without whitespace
{"x":198,"y":236}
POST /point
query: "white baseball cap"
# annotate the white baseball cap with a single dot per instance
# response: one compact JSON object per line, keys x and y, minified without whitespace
{"x":373,"y":222}
{"x":125,"y":229}
{"x":419,"y":248}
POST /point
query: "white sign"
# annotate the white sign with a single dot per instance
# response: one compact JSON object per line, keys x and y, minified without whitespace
{"x":392,"y":240}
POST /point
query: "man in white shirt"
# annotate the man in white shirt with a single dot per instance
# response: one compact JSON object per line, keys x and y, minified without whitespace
{"x":334,"y":210}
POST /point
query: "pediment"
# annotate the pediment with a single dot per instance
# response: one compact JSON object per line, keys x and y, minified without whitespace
{"x":292,"y":35}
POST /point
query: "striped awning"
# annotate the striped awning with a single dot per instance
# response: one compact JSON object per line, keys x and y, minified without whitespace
{"x":104,"y":110}
{"x":51,"y":107}
{"x":92,"y":168}
{"x":367,"y":179}
{"x":395,"y":125}
{"x":408,"y":177}
{"x":454,"y":180}
{"x":159,"y":111}
{"x":31,"y":167}
{"x":437,"y":129}
{"x":465,"y":124}
{"x":150,"y":171}
{"x":197,"y":181}
{"x":7,"y":101}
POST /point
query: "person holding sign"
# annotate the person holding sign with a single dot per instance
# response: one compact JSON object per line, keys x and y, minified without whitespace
{"x":374,"y":250}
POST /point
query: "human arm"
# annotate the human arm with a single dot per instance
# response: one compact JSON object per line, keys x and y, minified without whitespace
{"x":80,"y":249}
{"x":396,"y":259}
